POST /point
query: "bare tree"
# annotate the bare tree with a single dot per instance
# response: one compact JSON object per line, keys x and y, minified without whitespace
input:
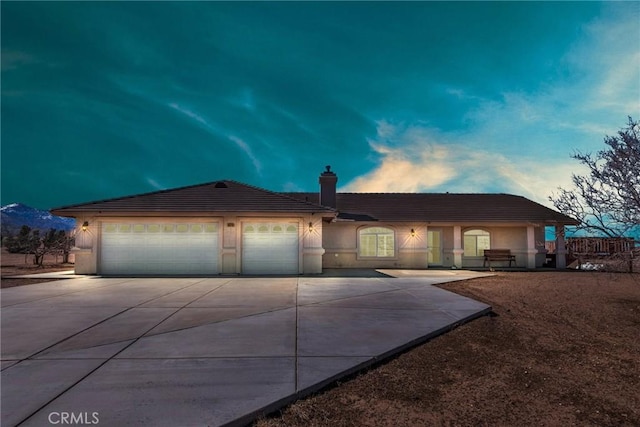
{"x":32,"y":242}
{"x":62,"y":244}
{"x":607,"y":200}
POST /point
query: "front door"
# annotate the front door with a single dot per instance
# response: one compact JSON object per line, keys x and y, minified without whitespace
{"x":434,"y":247}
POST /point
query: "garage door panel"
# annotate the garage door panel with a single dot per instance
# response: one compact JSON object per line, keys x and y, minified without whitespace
{"x":270,"y":248}
{"x":142,"y":248}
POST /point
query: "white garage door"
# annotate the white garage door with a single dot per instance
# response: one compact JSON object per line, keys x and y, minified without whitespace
{"x":270,"y":248}
{"x":159,"y":248}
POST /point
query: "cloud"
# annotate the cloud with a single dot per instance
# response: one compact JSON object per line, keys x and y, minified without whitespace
{"x":194,"y":116}
{"x":245,"y":99}
{"x":610,"y":59}
{"x":12,"y":59}
{"x":411,"y":162}
{"x":247,"y":150}
{"x":152,"y":182}
{"x":414,"y":159}
{"x":220,"y":132}
{"x":519,"y":142}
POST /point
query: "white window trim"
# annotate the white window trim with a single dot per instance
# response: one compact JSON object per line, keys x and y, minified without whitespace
{"x":365,"y":257}
{"x":463,"y":241}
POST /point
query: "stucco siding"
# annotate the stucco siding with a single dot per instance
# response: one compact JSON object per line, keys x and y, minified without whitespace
{"x":341,"y":246}
{"x":513,"y":238}
{"x":87,"y":250}
{"x":335,"y":244}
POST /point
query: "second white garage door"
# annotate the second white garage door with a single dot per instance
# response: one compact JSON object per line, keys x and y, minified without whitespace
{"x":270,"y":248}
{"x":159,"y":248}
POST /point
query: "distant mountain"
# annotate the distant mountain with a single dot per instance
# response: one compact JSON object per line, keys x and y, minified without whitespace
{"x":16,"y":215}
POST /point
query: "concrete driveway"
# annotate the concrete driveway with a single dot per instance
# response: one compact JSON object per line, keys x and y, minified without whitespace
{"x":194,"y":351}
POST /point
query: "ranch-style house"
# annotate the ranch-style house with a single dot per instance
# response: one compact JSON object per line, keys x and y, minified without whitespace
{"x":227,"y":227}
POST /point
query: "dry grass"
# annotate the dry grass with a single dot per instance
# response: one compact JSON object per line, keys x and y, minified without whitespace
{"x":19,"y":264}
{"x":563,"y":350}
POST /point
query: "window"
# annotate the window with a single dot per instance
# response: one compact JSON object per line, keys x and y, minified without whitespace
{"x":211,"y":228}
{"x":475,"y":242}
{"x":376,"y":242}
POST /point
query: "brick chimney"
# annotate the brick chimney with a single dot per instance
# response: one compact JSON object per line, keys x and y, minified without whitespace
{"x":328,"y":182}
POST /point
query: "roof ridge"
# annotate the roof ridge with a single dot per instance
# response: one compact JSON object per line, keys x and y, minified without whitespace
{"x":204,"y":184}
{"x":166,"y":190}
{"x":282,"y":194}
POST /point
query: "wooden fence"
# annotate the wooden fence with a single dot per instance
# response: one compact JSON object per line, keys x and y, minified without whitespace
{"x":594,"y":245}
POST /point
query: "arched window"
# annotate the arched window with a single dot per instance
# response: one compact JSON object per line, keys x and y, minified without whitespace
{"x":378,"y":242}
{"x":476,"y":241}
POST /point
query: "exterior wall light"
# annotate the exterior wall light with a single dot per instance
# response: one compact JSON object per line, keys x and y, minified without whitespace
{"x":85,"y":225}
{"x":310,"y":227}
{"x":413,"y":233}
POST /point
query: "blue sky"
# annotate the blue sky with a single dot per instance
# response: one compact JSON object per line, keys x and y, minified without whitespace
{"x":109,"y":99}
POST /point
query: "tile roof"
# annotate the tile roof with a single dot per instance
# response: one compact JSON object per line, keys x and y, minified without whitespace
{"x":441,"y":207}
{"x":233,"y":196}
{"x":221,"y":196}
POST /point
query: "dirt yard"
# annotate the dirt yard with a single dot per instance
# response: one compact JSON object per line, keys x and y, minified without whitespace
{"x":17,"y":265}
{"x":562,"y":349}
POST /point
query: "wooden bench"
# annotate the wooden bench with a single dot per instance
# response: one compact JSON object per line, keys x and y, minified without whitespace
{"x":498,"y":255}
